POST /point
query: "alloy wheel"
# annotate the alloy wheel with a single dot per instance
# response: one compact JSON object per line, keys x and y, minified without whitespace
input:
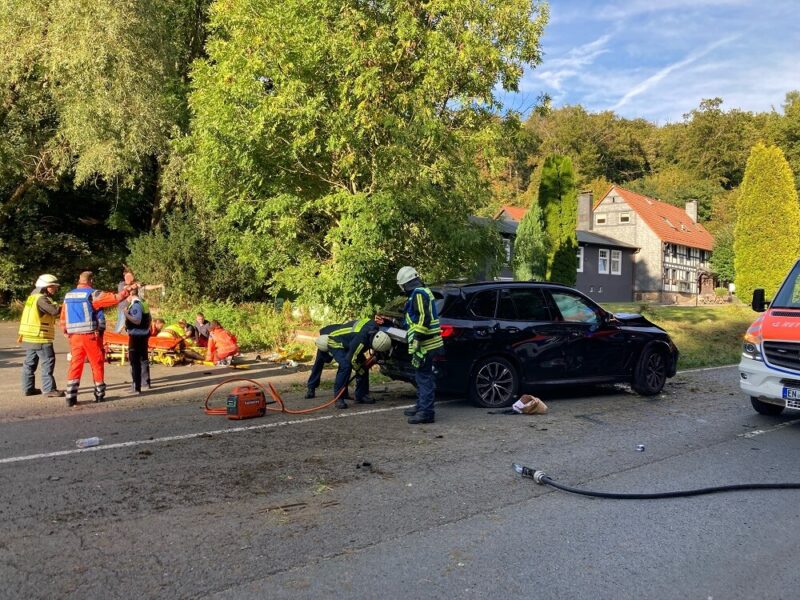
{"x":494,"y":384}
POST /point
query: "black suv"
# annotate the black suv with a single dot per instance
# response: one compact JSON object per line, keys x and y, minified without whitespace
{"x":503,"y":337}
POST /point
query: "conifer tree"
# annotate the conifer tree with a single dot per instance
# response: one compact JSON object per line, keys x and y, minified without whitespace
{"x":558,"y":200}
{"x":767,"y":233}
{"x":530,"y":250}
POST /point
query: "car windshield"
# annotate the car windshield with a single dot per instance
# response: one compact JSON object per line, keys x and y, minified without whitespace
{"x":789,"y":294}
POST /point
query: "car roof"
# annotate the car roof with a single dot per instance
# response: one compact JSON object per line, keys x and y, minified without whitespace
{"x":475,"y":285}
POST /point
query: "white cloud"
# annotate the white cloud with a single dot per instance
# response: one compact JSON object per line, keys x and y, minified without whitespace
{"x":620,"y":11}
{"x":565,"y":67}
{"x":651,"y":81}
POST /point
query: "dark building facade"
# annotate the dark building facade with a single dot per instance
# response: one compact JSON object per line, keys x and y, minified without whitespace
{"x":605,"y":268}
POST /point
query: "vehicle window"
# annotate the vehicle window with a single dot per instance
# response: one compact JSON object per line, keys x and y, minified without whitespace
{"x":484,"y":304}
{"x":506,"y":308}
{"x":530,"y":304}
{"x":574,"y":309}
{"x":789,"y":294}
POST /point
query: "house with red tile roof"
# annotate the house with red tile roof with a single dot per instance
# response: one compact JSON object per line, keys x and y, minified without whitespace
{"x":672,"y":264}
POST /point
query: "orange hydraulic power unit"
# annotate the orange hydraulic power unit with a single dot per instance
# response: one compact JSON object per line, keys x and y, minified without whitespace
{"x":246,"y":402}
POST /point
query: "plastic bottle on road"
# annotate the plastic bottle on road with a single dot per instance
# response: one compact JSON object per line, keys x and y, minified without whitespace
{"x":88,"y":442}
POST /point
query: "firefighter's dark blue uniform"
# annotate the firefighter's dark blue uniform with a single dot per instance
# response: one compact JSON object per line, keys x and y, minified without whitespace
{"x":323,"y":358}
{"x":348,"y":347}
{"x":421,"y":320}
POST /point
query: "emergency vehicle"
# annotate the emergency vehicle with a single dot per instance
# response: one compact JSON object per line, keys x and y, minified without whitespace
{"x":769,"y":371}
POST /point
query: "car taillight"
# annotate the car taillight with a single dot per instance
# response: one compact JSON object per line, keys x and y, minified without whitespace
{"x":447,"y":331}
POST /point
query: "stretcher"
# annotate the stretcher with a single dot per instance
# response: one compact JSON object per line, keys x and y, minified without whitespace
{"x":168,"y":351}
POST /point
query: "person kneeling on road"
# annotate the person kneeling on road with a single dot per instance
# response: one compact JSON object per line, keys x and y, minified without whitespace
{"x":222,"y":345}
{"x":348,"y":346}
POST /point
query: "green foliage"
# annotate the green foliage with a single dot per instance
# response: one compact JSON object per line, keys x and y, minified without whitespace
{"x":722,"y":259}
{"x":187,"y":258}
{"x":721,"y":292}
{"x":558,"y":200}
{"x":530,"y":251}
{"x":335,"y":141}
{"x":257,"y":326}
{"x":767,"y":232}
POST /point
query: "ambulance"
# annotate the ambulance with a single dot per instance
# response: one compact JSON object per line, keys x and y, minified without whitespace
{"x":769,"y":371}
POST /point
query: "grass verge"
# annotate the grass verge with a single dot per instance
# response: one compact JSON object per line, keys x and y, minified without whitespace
{"x":706,"y":336}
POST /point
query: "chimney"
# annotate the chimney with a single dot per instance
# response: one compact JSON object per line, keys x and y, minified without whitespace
{"x":585,"y":211}
{"x":691,"y":210}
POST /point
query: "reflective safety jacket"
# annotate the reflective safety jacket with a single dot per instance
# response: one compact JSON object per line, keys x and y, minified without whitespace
{"x":353,"y":337}
{"x":174,"y":330}
{"x":81,"y":317}
{"x":81,"y":305}
{"x":422,"y":321}
{"x":221,"y":345}
{"x":36,"y":328}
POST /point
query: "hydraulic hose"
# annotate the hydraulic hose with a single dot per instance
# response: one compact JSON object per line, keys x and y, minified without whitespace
{"x":276,"y":397}
{"x":543,"y":478}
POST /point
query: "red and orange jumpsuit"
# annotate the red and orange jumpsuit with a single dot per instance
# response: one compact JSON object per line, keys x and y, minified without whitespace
{"x":222,"y":344}
{"x":88,"y":345}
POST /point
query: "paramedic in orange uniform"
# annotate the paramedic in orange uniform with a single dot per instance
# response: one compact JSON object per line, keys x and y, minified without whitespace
{"x":81,"y":325}
{"x":222,"y":345}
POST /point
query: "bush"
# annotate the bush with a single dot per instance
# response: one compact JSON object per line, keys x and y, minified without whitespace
{"x":721,"y":292}
{"x":257,"y":325}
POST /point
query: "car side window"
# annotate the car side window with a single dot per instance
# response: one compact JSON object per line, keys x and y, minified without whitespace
{"x":483,"y":304}
{"x":506,"y":310}
{"x":531,"y":304}
{"x":575,"y":309}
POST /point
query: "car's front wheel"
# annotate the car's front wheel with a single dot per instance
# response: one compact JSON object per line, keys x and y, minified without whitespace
{"x":765,"y":408}
{"x":494,"y":383}
{"x":650,"y":374}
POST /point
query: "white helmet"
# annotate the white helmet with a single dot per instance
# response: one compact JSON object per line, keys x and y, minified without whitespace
{"x":405,"y":275}
{"x":46,"y":281}
{"x":381,"y":342}
{"x":322,"y":343}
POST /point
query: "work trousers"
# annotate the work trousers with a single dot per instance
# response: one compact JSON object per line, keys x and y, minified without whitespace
{"x":320,"y":360}
{"x":35,"y":353}
{"x":426,"y":387}
{"x":83,"y":346}
{"x":139,"y":360}
{"x":343,"y":376}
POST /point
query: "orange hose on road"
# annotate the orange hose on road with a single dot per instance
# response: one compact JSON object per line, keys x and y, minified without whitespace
{"x":273,"y":393}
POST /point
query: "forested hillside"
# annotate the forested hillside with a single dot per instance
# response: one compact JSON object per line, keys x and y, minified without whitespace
{"x":241,"y":149}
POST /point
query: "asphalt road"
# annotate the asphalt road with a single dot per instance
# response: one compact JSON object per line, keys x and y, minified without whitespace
{"x":358,"y":504}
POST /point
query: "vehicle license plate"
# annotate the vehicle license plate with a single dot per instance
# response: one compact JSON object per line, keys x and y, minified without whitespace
{"x":791,"y":393}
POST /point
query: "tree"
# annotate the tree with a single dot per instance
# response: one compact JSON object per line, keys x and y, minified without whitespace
{"x":558,"y":200}
{"x":723,"y":258}
{"x":767,"y":233}
{"x":530,"y":251}
{"x":336,"y":140}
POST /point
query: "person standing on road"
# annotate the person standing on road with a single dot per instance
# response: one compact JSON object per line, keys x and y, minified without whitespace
{"x":37,"y":330}
{"x":80,"y":324}
{"x":129,"y":280}
{"x":421,"y":320}
{"x":137,"y":324}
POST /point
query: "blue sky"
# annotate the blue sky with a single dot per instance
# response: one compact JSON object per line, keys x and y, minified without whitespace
{"x":657,"y":59}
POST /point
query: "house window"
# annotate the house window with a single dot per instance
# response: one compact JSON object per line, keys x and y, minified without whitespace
{"x":625,"y":217}
{"x":616,"y":262}
{"x":580,"y":259}
{"x":602,"y":261}
{"x":599,"y":219}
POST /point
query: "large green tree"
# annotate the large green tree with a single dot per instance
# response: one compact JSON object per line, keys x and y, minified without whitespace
{"x":767,"y":233}
{"x":530,"y":248}
{"x":336,"y":140}
{"x":558,"y":200}
{"x":93,"y":96}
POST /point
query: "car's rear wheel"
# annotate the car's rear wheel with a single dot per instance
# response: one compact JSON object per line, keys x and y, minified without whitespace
{"x":494,"y":383}
{"x":765,"y":408}
{"x":650,"y":374}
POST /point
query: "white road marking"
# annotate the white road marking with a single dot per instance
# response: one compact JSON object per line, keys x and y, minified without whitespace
{"x":755,"y":432}
{"x":188,"y":436}
{"x":707,"y":369}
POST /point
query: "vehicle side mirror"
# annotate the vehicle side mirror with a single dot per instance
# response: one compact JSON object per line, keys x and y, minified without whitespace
{"x":759,"y":304}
